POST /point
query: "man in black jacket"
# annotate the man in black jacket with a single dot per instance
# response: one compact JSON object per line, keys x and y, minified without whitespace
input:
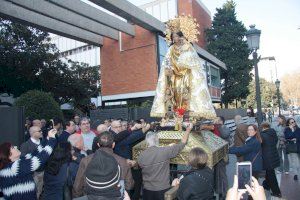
{"x":270,"y":158}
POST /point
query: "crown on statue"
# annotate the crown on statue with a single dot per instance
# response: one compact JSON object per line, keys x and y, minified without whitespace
{"x":184,"y":23}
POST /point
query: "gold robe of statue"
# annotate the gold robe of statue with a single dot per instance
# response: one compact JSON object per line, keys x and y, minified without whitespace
{"x":182,"y":81}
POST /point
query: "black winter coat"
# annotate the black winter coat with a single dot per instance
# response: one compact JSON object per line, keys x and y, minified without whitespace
{"x":269,"y":150}
{"x":197,"y":185}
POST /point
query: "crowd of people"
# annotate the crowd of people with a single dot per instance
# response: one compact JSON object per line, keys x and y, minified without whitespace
{"x":71,"y":161}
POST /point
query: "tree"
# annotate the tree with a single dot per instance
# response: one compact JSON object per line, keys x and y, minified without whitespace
{"x":29,"y":61}
{"x":225,"y":39}
{"x":290,"y":88}
{"x":39,"y":105}
{"x":268,"y":94}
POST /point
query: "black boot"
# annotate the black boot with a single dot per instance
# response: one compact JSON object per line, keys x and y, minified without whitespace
{"x":296,"y":177}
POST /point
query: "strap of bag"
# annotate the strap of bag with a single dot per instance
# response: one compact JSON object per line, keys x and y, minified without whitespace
{"x":255,"y":156}
{"x":203,"y":178}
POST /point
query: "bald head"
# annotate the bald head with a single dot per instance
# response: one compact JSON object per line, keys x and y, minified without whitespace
{"x":76,"y":140}
{"x":102,"y":128}
{"x":35,"y":132}
{"x":238,"y":119}
{"x":37,"y":122}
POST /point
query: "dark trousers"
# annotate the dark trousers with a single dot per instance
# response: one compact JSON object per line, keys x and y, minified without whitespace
{"x":154,"y":195}
{"x":138,"y":181}
{"x":271,"y":182}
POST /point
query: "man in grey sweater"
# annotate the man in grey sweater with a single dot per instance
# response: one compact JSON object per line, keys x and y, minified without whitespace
{"x":155,"y":164}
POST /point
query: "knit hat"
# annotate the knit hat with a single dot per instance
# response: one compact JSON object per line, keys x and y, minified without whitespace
{"x":103,"y":175}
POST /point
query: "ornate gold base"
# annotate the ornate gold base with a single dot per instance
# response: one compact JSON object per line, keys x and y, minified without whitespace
{"x":214,"y":146}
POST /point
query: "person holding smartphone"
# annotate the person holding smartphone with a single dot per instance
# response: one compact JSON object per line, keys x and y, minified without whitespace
{"x":292,"y":133}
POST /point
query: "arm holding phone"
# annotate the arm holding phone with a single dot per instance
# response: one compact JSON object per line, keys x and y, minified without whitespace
{"x":255,"y":190}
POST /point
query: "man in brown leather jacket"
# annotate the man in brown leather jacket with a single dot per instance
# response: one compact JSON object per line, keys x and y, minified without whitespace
{"x":240,"y":134}
{"x":106,"y":143}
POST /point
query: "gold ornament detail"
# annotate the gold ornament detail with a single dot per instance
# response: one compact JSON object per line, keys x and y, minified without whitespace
{"x":186,"y":24}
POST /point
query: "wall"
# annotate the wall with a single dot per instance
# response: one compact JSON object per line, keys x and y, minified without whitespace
{"x":193,"y":8}
{"x":134,"y":69}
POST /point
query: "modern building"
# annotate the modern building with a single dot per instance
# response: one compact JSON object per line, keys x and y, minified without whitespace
{"x":130,"y":66}
{"x":78,"y":52}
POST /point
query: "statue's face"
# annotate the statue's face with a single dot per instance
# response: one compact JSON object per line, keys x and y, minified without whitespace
{"x":176,"y":38}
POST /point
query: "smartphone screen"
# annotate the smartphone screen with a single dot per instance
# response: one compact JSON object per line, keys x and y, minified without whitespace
{"x":244,"y":175}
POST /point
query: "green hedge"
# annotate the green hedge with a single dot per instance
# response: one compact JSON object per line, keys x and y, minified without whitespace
{"x":39,"y":105}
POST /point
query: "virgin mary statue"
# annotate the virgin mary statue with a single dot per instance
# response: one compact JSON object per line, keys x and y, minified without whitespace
{"x":182,"y":83}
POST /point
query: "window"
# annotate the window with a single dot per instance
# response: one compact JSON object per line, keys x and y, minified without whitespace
{"x":156,"y":11}
{"x":164,"y":11}
{"x":172,"y":10}
{"x":207,"y":73}
{"x":214,"y":76}
{"x":163,"y":48}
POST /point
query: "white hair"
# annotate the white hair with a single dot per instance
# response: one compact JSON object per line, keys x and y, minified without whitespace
{"x":152,"y":139}
{"x":74,"y":139}
{"x":238,"y":119}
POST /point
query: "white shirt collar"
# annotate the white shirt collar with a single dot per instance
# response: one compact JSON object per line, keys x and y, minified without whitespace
{"x":35,"y":141}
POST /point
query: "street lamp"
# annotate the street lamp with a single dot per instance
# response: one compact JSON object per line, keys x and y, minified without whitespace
{"x":253,"y":36}
{"x":277,"y":83}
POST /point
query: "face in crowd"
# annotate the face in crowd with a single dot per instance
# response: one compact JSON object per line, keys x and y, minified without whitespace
{"x":85,"y":126}
{"x":77,"y":119}
{"x":14,"y":153}
{"x":116,"y":126}
{"x":71,"y":129}
{"x":251,"y":131}
{"x":35,"y":132}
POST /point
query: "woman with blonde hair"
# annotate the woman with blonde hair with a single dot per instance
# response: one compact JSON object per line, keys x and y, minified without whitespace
{"x":198,"y":182}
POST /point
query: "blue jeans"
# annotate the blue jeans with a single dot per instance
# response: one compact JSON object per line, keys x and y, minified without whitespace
{"x":284,"y":161}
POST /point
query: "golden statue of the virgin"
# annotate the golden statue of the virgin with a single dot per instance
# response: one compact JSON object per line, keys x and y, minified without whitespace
{"x":182,"y":83}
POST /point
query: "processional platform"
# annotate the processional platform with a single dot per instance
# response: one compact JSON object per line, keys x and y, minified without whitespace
{"x":214,"y":146}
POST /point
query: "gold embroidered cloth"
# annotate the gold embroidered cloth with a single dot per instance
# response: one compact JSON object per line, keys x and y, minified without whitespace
{"x":214,"y":146}
{"x":186,"y":87}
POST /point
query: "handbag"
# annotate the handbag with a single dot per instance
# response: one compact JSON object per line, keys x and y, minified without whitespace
{"x":291,"y":146}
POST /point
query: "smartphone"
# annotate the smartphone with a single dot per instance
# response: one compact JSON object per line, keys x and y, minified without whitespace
{"x":244,"y":174}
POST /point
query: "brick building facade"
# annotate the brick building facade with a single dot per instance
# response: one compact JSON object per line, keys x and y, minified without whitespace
{"x":130,"y":66}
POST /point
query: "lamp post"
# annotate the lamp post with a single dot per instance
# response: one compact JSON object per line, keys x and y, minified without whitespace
{"x":253,"y":36}
{"x":277,"y":83}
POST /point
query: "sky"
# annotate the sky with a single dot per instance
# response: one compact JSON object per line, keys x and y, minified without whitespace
{"x":279,"y":22}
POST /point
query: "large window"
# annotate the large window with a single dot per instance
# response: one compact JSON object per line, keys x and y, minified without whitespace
{"x":163,"y":10}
